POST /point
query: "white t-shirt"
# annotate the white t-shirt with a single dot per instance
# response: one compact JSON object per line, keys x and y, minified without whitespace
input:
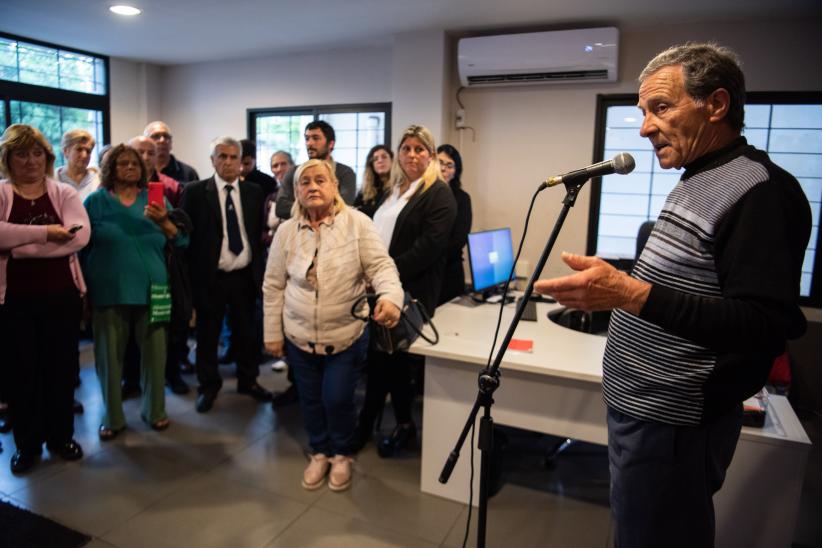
{"x":385,"y":219}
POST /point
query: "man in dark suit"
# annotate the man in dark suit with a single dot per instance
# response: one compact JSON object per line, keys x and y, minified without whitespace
{"x":225,"y":259}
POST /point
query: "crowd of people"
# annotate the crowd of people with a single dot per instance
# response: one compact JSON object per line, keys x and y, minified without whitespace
{"x":271,"y":264}
{"x":710,"y":303}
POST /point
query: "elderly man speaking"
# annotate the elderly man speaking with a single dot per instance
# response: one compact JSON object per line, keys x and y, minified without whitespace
{"x":711,"y":301}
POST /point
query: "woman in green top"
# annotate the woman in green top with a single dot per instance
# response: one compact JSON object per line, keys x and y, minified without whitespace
{"x":125,"y":255}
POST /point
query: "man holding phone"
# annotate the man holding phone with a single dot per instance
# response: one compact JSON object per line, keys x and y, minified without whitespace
{"x":169,"y":187}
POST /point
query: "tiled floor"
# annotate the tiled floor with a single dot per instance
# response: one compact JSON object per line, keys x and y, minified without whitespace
{"x":231,"y":478}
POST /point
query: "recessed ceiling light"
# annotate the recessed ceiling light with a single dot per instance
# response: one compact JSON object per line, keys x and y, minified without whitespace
{"x":125,"y":10}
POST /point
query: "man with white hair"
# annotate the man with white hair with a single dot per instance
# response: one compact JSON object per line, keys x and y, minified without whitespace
{"x":225,"y":261}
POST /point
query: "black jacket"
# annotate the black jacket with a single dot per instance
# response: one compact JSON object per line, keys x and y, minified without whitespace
{"x":420,"y":240}
{"x":202,"y":204}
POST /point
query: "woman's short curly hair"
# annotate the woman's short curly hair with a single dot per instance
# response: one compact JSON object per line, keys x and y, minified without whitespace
{"x":108,"y":169}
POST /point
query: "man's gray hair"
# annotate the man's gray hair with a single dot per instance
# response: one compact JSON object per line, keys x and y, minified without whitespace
{"x":286,"y":154}
{"x":706,"y":67}
{"x":226,"y":141}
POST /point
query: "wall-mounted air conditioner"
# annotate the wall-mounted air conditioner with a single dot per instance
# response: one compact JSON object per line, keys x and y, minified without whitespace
{"x":554,"y":57}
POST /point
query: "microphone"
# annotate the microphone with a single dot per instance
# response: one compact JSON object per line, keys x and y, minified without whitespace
{"x":622,"y":163}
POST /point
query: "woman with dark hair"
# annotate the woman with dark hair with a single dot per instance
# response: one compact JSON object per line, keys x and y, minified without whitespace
{"x":42,"y":226}
{"x":453,"y":283}
{"x":376,"y":180}
{"x":415,"y":221}
{"x":125,"y":256}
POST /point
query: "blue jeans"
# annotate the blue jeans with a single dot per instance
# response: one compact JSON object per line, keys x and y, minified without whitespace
{"x":326,"y":386}
{"x":663,"y":479}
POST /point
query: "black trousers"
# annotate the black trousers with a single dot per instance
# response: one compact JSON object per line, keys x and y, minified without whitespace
{"x":40,"y":335}
{"x":235,"y":291}
{"x":387,"y":373}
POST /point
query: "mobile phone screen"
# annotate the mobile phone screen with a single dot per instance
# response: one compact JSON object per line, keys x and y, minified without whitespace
{"x":155,"y":193}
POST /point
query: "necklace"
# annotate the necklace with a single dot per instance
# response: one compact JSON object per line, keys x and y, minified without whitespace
{"x":30,"y":196}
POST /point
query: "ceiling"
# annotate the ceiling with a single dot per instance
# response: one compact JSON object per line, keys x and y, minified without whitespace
{"x":187,"y":31}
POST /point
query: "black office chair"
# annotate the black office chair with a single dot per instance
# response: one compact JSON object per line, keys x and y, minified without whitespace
{"x":642,"y":236}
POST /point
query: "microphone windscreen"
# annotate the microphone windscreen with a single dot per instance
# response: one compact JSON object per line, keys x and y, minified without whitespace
{"x":624,"y":163}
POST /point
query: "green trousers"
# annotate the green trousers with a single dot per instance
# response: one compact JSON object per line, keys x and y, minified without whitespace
{"x":112,"y":325}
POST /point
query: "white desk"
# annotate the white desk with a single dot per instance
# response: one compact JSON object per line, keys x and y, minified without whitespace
{"x":557,"y":390}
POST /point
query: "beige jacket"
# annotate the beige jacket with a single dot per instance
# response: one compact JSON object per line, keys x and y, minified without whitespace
{"x":349,"y":255}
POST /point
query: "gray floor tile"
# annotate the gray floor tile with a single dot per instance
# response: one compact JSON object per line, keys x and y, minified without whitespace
{"x":209,"y":512}
{"x":98,"y":493}
{"x":319,"y":528}
{"x":275,"y":463}
{"x":522,"y":517}
{"x":389,"y":495}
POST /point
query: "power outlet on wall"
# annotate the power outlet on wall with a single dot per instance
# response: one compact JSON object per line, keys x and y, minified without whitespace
{"x":460,"y":121}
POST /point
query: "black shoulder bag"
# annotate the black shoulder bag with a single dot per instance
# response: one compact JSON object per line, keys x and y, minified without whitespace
{"x":399,"y":338}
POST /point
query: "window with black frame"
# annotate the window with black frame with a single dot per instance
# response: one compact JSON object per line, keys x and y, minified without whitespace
{"x":788,"y":125}
{"x":357,"y":129}
{"x":54,"y":89}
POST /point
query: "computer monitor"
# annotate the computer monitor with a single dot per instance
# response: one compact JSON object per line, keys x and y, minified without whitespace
{"x":491,"y":257}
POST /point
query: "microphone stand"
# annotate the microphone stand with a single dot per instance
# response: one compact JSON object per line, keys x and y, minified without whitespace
{"x":489,"y":378}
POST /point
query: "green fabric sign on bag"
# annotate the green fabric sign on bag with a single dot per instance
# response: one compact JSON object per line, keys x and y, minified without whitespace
{"x":159,"y":303}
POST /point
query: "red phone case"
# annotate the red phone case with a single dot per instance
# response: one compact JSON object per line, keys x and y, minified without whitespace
{"x":155,"y":193}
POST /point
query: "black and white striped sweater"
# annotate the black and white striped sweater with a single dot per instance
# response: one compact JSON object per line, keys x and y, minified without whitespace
{"x":724,"y":260}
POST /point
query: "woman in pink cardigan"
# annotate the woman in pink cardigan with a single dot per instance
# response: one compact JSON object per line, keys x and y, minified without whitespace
{"x":42,"y":226}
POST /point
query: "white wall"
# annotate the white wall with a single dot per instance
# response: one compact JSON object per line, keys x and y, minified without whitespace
{"x":525,"y":134}
{"x":205,"y":100}
{"x":419,"y":83}
{"x":135,"y":97}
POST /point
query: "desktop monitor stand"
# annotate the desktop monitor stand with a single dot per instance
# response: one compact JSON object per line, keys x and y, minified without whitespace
{"x":492,"y":295}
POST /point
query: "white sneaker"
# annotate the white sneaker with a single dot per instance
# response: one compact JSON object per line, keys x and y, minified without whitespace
{"x":279,"y":366}
{"x":315,"y":472}
{"x":339,"y":479}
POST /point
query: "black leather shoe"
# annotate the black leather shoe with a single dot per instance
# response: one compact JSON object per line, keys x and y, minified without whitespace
{"x":22,"y":461}
{"x":255,"y":391}
{"x":5,"y":425}
{"x":70,"y":450}
{"x":286,"y":398}
{"x":205,"y":402}
{"x":404,"y":436}
{"x":178,"y":386}
{"x":77,"y":407}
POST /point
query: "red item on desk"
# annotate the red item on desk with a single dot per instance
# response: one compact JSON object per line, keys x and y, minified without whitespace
{"x":521,"y":345}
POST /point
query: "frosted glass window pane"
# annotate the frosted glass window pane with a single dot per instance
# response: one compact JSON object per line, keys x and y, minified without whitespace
{"x":757,"y":137}
{"x":623,"y":204}
{"x":796,"y":140}
{"x":757,"y":116}
{"x":621,"y":225}
{"x":797,"y":116}
{"x":625,"y":139}
{"x":624,"y":117}
{"x":664,"y":183}
{"x":812,"y":188}
{"x":799,"y":165}
{"x":632,"y":183}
